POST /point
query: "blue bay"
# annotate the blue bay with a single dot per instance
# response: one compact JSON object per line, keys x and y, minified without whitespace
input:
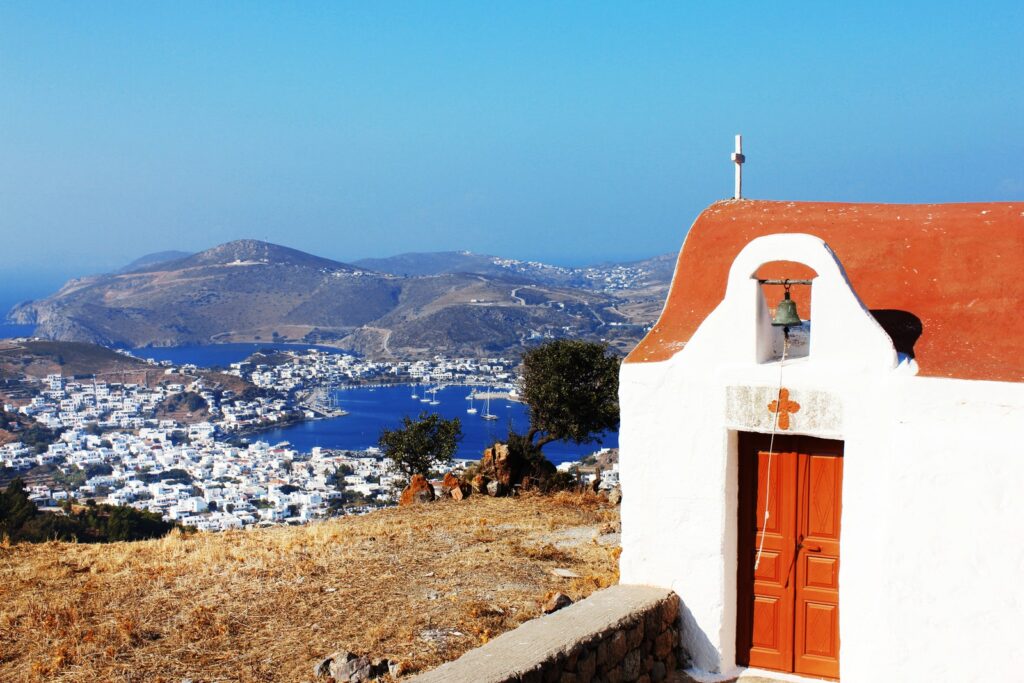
{"x":373,"y":409}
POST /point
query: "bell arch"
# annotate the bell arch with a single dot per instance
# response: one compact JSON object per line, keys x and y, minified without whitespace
{"x":739,"y":330}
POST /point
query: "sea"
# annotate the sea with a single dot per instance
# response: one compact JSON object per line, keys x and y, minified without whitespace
{"x":371,"y":409}
{"x":9,"y":330}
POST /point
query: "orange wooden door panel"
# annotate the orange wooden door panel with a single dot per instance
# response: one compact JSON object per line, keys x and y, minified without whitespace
{"x":788,"y":606}
{"x":819,"y":498}
{"x":767,"y":602}
{"x":772,"y":624}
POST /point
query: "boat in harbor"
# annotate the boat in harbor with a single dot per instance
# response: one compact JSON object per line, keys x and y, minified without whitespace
{"x":487,"y":408}
{"x":471,"y":409}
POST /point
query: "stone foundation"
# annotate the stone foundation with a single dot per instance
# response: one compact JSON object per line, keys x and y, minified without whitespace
{"x":624,"y":634}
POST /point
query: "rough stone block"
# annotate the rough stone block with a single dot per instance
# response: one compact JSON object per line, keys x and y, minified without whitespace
{"x":664,"y":645}
{"x":658,"y":672}
{"x":653,"y":622}
{"x":670,"y":611}
{"x":635,"y":636}
{"x":631,"y":666}
{"x":586,"y":667}
{"x":602,"y":653}
{"x":553,"y":672}
{"x":535,"y":676}
{"x":614,"y":675}
{"x":569,"y":678}
{"x":617,"y":648}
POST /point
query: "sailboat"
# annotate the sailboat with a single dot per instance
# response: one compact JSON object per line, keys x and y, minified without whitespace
{"x":433,"y":397}
{"x":414,"y":395}
{"x":487,"y":410}
{"x":471,"y":409}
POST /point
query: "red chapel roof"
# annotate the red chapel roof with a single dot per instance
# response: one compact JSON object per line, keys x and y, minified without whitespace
{"x":945,"y":280}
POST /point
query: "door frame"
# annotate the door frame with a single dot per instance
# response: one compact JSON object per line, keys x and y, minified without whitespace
{"x":753,"y":442}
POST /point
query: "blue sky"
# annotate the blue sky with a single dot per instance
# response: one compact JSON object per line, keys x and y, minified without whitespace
{"x":568,"y":132}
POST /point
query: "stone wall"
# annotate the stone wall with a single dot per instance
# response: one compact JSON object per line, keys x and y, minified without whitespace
{"x":623,"y":634}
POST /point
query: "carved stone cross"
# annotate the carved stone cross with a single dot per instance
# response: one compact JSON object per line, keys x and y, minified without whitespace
{"x":783,"y":407}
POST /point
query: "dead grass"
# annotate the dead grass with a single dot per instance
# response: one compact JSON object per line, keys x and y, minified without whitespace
{"x":420,"y":585}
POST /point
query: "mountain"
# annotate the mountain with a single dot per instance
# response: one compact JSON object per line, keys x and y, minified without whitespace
{"x":251,"y":253}
{"x":153,"y":259}
{"x":652,"y":271}
{"x":455,"y":303}
{"x":430,"y":263}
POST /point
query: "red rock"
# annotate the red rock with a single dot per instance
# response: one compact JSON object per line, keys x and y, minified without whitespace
{"x":480,"y":484}
{"x":555,"y":602}
{"x":453,"y":486}
{"x":419,"y":490}
{"x":498,"y":463}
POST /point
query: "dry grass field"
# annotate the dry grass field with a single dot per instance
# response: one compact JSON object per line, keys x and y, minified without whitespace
{"x":420,"y":585}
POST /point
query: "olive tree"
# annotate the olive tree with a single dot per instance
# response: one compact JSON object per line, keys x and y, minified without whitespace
{"x":421,"y":445}
{"x":572,"y":390}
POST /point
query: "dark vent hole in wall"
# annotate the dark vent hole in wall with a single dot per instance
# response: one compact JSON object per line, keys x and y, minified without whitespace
{"x":903,"y":327}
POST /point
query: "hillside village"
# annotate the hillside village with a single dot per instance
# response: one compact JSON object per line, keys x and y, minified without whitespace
{"x":193,"y":468}
{"x":295,"y":371}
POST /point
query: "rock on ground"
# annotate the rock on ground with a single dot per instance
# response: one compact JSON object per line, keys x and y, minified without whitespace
{"x":419,"y":490}
{"x":555,"y":602}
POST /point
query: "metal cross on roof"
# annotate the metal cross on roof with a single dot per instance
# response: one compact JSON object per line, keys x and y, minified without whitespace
{"x":738,"y":159}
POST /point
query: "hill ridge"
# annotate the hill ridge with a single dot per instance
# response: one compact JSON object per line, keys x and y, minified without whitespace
{"x":457,"y":303}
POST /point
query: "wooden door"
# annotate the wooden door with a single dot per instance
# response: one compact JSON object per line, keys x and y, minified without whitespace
{"x":788,"y":606}
{"x":820,"y":494}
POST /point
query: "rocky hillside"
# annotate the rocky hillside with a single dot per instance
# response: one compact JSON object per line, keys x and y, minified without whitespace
{"x":607,"y":277}
{"x":153,"y":259}
{"x":454,"y":303}
{"x":20,"y":360}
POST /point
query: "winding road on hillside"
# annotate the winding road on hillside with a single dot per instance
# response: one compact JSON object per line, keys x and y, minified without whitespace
{"x":386,"y":337}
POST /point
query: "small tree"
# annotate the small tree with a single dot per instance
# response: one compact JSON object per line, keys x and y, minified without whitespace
{"x":572,"y":390}
{"x":421,"y":445}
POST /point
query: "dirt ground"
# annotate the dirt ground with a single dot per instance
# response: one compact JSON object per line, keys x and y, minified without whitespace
{"x":420,"y":585}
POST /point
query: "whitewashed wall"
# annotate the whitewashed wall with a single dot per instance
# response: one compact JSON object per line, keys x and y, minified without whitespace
{"x":932,"y":552}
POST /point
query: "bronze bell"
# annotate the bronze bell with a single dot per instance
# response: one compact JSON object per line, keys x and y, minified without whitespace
{"x":785,"y":313}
